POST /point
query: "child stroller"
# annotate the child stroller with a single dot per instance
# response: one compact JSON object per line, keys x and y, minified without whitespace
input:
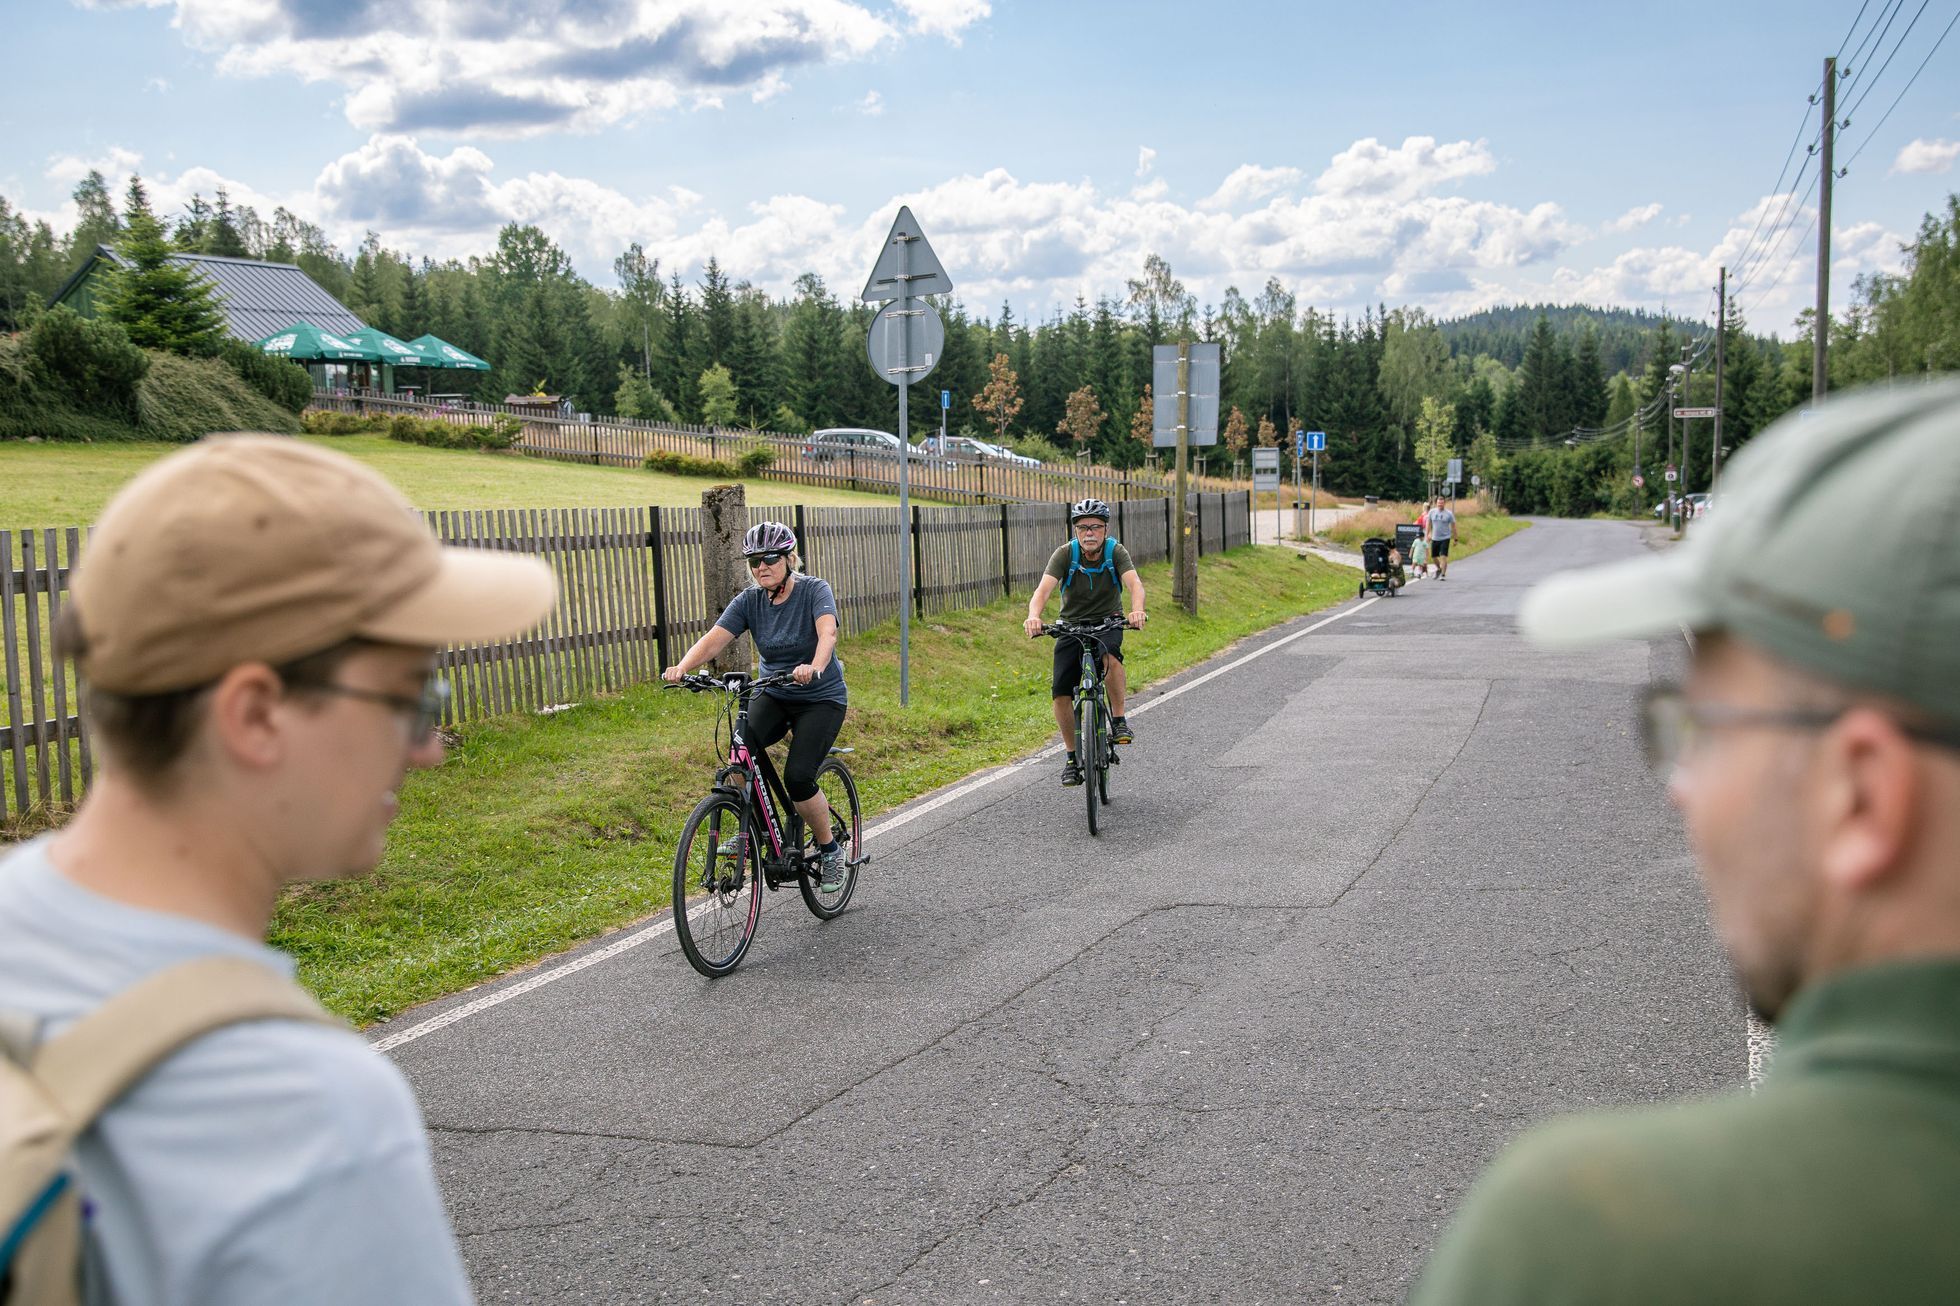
{"x":1381,"y":568}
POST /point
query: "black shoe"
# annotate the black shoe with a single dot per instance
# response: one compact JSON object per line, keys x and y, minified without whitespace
{"x":1120,"y":732}
{"x":1071,"y":773}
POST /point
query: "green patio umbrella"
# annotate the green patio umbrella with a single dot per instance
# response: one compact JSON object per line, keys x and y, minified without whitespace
{"x":307,"y":343}
{"x":398,"y":352}
{"x":448,"y":355}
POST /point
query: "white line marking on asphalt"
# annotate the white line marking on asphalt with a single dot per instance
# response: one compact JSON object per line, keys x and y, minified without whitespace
{"x":666,"y":925}
{"x":1761,"y":1038}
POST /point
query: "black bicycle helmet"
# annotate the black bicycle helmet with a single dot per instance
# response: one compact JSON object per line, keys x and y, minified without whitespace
{"x":1088,"y":508}
{"x":768,"y":537}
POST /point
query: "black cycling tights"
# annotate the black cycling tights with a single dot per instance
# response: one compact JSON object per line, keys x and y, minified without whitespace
{"x":816,"y":726}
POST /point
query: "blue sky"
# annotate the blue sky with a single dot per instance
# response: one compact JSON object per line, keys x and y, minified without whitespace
{"x":1444,"y":155}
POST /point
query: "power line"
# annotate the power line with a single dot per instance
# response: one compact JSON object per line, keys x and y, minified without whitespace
{"x":1858,"y":68}
{"x":1854,"y":27}
{"x":1902,"y":91}
{"x":1768,"y":251}
{"x":1777,"y":189}
{"x":1872,"y":85}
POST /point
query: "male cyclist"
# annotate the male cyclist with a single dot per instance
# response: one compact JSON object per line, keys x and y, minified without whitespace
{"x":793,"y":618}
{"x":1091,"y":571}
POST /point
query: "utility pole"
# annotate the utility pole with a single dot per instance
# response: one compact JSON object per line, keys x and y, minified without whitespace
{"x":1820,"y":330}
{"x":1180,"y":545}
{"x":1687,"y":401}
{"x":1721,"y":339}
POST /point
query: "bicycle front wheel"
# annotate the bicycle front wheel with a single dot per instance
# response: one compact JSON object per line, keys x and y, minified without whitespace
{"x":1088,"y":752}
{"x":716,"y":891}
{"x":1105,"y":751}
{"x":840,"y":791}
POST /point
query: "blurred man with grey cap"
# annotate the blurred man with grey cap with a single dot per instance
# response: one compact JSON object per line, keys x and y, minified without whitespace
{"x":1814,"y":752}
{"x":255,"y":623}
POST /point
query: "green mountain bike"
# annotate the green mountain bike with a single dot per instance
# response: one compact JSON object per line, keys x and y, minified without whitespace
{"x":1095,"y":753}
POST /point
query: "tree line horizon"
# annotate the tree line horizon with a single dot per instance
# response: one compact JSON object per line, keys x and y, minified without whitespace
{"x":1397,"y":390}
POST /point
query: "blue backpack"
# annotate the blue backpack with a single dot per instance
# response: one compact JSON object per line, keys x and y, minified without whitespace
{"x":1075,"y":561}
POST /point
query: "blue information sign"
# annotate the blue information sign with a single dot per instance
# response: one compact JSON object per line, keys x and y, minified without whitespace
{"x":945,"y":398}
{"x":1316,"y":441}
{"x":1299,"y":443}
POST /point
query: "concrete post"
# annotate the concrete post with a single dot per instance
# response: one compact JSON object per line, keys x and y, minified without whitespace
{"x":724,"y":520}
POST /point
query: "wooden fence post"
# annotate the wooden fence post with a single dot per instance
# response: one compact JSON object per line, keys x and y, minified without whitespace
{"x":802,"y":539}
{"x":656,"y":546}
{"x":724,"y":520}
{"x":1006,"y":556}
{"x":918,"y":557}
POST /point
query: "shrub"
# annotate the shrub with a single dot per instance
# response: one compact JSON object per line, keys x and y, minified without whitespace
{"x":755,"y":456}
{"x":1033,"y":446}
{"x":435,"y":433}
{"x":30,"y":409}
{"x":87,"y":364}
{"x":281,"y":380}
{"x":503,"y":432}
{"x":680,"y":464}
{"x":323,"y":421}
{"x":183,"y":399}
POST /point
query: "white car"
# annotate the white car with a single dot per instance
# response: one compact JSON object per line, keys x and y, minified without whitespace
{"x":843,"y":441}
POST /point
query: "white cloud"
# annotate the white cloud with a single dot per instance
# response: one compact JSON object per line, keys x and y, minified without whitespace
{"x":115,"y":165}
{"x":947,"y":18}
{"x":1369,"y":168}
{"x":160,"y":85}
{"x":1146,"y":161}
{"x":391,"y":184}
{"x":872,"y":104}
{"x":1927,"y":156}
{"x":525,"y":67}
{"x":1249,"y":183}
{"x":1634,"y":218}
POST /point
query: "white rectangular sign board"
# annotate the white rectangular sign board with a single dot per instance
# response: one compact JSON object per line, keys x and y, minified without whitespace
{"x":1203,"y":385}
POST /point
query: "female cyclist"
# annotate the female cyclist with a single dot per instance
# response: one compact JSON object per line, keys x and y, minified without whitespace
{"x":794,"y":621}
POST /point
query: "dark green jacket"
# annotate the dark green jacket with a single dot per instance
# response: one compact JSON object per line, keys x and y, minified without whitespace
{"x":1839,"y":1181}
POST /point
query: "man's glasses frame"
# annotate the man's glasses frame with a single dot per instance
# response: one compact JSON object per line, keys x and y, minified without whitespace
{"x":1672,"y":724}
{"x":422,"y":711}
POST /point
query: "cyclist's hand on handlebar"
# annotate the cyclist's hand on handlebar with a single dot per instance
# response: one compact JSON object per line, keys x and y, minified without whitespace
{"x":1136,"y":620}
{"x":672,"y":675}
{"x":1033,"y":626}
{"x":804,"y":674}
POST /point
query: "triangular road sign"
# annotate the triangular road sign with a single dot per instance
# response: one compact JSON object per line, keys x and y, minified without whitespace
{"x":906,"y":265}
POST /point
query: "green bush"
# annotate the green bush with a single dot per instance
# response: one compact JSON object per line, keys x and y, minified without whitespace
{"x":435,"y":433}
{"x":680,"y":464}
{"x":502,"y":433}
{"x":29,"y":409}
{"x":1033,"y":446}
{"x":183,"y":399}
{"x":90,"y":364}
{"x":281,"y":380}
{"x":323,"y":421}
{"x":755,"y":456}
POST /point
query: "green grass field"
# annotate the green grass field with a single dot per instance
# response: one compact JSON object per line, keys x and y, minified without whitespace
{"x":541,"y":831}
{"x":67,"y":484}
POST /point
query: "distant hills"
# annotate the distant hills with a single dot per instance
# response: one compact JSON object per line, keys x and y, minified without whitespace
{"x":1624,"y":333}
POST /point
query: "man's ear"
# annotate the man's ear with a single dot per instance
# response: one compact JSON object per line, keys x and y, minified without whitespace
{"x":246,"y":721}
{"x":1868,"y":802}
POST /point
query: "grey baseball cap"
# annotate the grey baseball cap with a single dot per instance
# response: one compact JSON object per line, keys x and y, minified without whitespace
{"x":1829,"y":545}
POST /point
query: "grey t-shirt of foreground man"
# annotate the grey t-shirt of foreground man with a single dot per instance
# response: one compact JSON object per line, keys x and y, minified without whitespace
{"x":1814,"y":752}
{"x":256,"y":623}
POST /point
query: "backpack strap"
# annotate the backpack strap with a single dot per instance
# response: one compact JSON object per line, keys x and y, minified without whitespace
{"x":96,"y":1060}
{"x":78,"y":1074}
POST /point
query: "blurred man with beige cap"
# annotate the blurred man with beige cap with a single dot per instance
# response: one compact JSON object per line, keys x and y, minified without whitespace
{"x":256,"y":624}
{"x":1814,"y":752}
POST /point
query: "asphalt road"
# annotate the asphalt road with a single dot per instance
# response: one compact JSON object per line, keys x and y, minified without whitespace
{"x":1363,"y":908}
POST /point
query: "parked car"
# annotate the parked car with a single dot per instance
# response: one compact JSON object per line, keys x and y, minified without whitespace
{"x":1007,"y":455}
{"x":1692,"y":505}
{"x":965,"y":447}
{"x":843,"y":441}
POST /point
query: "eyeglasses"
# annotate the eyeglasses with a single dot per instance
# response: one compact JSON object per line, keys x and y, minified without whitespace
{"x":1671,"y":726}
{"x":422,"y":711}
{"x":1090,"y":523}
{"x":765,"y":559}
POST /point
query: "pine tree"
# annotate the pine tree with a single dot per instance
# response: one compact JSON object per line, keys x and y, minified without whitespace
{"x":95,"y":223}
{"x":221,"y":234}
{"x":716,"y":389}
{"x":1590,"y":400}
{"x":161,"y":304}
{"x":717,"y":314}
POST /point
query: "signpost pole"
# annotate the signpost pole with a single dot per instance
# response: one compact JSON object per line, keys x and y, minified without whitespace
{"x":1299,"y":438}
{"x":1180,"y":546}
{"x":1311,"y":530}
{"x":904,"y":475}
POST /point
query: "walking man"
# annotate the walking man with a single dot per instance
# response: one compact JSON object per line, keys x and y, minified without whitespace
{"x":256,"y":624}
{"x":1814,"y":752}
{"x":1442,"y":529}
{"x":1093,"y":572}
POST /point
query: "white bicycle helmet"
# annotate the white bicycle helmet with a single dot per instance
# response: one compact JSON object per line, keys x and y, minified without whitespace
{"x":768,"y":537}
{"x":1088,"y":508}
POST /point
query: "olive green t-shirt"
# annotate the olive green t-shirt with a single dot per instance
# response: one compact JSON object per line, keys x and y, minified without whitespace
{"x":1838,"y":1181}
{"x":1092,"y":595}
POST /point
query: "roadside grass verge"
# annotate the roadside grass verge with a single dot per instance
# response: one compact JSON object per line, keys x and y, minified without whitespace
{"x":63,"y":484}
{"x":1477,"y":526}
{"x":540,"y":832}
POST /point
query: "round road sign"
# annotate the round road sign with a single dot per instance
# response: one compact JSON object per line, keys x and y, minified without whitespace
{"x":905,"y":346}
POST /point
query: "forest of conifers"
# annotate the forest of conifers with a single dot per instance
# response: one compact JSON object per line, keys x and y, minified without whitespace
{"x":702,"y":345}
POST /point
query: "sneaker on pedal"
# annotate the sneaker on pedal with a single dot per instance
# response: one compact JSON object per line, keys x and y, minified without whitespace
{"x":830,"y":866}
{"x":736,"y":847}
{"x":1071,"y":773}
{"x":1120,"y":732}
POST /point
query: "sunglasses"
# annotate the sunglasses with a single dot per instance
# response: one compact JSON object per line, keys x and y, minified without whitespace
{"x":765,"y":559}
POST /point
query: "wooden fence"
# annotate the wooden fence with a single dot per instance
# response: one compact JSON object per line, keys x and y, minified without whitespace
{"x":621,"y":442}
{"x":631,"y":599}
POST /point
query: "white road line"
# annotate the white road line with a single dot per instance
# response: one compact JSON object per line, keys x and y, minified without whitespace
{"x":1761,"y":1039}
{"x":666,"y":925}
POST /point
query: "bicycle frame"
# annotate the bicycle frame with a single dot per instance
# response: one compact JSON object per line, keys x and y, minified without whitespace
{"x":750,"y":772}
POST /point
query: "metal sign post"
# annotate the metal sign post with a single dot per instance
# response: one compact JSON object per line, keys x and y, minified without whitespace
{"x":945,"y":402}
{"x":1299,"y":448}
{"x":1316,"y":441}
{"x":905,"y":342}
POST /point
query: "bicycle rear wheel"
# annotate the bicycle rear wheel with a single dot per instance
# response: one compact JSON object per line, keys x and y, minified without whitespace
{"x":717,"y":898}
{"x":1088,"y":753}
{"x":840,"y":791}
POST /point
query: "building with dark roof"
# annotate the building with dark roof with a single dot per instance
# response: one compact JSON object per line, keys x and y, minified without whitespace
{"x":258,"y":298}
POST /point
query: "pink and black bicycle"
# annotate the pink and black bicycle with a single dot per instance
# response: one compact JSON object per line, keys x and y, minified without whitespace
{"x":746,"y":835}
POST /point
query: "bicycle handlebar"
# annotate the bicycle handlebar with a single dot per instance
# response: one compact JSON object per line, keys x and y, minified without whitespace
{"x":1060,"y":629}
{"x":732,"y":683}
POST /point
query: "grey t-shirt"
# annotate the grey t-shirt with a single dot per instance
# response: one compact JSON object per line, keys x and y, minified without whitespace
{"x":786,"y":636}
{"x":1442,"y":524}
{"x":269,"y":1161}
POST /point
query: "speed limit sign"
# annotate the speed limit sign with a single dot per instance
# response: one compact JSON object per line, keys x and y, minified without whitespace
{"x":1638,"y":480}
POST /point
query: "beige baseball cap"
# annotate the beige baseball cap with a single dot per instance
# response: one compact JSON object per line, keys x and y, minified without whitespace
{"x":260,"y":548}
